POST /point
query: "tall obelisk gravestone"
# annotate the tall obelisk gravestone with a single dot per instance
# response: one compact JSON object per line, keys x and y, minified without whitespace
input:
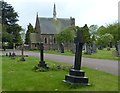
{"x":76,"y":75}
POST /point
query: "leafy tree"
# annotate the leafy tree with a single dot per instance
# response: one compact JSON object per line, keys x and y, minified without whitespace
{"x":101,"y":31}
{"x":66,"y":35}
{"x":9,"y":16}
{"x":30,"y":30}
{"x":93,"y":29}
{"x":106,"y":38}
{"x":113,"y":30}
{"x":110,"y":29}
{"x":86,"y":34}
{"x":10,"y":30}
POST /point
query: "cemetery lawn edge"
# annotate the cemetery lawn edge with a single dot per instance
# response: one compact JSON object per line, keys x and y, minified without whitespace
{"x":19,"y":76}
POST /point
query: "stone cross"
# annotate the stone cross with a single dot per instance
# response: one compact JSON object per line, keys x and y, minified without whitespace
{"x":42,"y":62}
{"x":41,"y":52}
{"x":76,"y":75}
{"x":22,"y":57}
{"x":79,"y":41}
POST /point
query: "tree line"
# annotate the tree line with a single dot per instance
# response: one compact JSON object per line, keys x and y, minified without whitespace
{"x":101,"y":35}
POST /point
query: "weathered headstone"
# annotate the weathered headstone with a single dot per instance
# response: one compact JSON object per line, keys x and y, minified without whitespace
{"x":93,"y":45}
{"x":88,"y":50}
{"x":42,"y":62}
{"x":76,"y":75}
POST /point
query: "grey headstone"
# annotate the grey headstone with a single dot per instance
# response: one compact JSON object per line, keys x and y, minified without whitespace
{"x":94,"y":47}
{"x":88,"y":49}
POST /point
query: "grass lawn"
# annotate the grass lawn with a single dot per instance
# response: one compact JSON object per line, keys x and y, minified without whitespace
{"x":101,"y":54}
{"x":19,"y":76}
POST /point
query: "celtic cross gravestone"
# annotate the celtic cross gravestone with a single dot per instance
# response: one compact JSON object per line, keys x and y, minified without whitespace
{"x":76,"y":75}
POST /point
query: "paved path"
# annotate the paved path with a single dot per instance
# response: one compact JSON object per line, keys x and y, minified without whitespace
{"x":110,"y":66}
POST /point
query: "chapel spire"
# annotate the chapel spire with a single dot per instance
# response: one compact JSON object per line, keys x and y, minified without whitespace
{"x":54,"y":11}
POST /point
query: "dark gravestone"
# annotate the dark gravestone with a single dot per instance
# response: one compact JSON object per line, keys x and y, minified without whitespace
{"x":76,"y":75}
{"x":61,"y":48}
{"x":10,"y":54}
{"x":6,"y":54}
{"x":110,"y":44}
{"x":42,"y":62}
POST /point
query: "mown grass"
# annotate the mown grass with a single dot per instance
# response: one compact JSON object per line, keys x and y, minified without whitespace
{"x":101,"y":54}
{"x":19,"y":76}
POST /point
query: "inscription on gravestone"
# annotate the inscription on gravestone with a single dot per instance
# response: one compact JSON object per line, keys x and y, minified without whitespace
{"x":76,"y":75}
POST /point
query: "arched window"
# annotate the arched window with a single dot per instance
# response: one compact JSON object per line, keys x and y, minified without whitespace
{"x":45,"y":40}
{"x":54,"y":40}
{"x":35,"y":45}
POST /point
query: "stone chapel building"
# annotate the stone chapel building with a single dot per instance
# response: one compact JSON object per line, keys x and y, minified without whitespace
{"x":46,"y":28}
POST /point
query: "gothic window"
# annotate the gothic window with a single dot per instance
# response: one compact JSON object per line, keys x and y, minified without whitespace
{"x":45,"y":40}
{"x":35,"y":45}
{"x":54,"y":40}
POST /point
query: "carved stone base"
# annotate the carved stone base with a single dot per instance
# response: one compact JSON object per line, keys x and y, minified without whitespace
{"x":76,"y":77}
{"x":43,"y":65}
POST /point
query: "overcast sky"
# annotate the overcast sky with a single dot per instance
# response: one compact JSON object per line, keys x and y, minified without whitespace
{"x":98,"y":12}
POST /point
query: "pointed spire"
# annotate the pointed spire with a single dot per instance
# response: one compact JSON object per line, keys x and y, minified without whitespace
{"x":37,"y":15}
{"x":54,"y":11}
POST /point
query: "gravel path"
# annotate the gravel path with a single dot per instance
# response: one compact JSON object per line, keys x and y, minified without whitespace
{"x":110,"y":66}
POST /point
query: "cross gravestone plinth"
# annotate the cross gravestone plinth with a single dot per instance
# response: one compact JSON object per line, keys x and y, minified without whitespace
{"x":42,"y":62}
{"x":76,"y":75}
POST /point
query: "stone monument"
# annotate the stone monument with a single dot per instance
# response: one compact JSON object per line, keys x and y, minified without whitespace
{"x":42,"y":62}
{"x":76,"y":75}
{"x":88,"y":49}
{"x":94,"y":50}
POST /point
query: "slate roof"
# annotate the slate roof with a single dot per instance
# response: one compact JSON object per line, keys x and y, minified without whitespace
{"x":34,"y":37}
{"x":53,"y":26}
